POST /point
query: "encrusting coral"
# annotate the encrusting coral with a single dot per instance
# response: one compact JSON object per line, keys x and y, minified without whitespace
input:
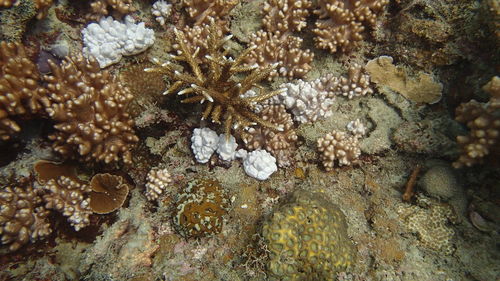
{"x":340,"y":23}
{"x":20,"y":92}
{"x":22,"y":217}
{"x":483,"y":120}
{"x":89,"y":108}
{"x":307,"y":239}
{"x":216,"y":83}
{"x":200,"y":209}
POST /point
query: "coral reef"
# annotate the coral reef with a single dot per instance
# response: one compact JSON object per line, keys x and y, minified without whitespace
{"x":89,"y":108}
{"x":340,"y":23}
{"x":200,"y":209}
{"x":157,"y":182}
{"x":216,"y":86}
{"x":108,"y":193}
{"x":22,"y":217}
{"x":281,"y":144}
{"x":307,"y":239}
{"x":483,"y":121}
{"x":20,"y":92}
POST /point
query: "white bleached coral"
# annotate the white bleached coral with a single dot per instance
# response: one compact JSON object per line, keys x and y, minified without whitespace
{"x":161,"y":10}
{"x":260,"y":164}
{"x":226,"y":148}
{"x":109,"y":39}
{"x":204,"y":142}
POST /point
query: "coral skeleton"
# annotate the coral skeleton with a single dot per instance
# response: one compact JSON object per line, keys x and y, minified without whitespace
{"x":216,"y":83}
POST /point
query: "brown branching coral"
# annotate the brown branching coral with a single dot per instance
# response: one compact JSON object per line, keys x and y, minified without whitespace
{"x":216,"y":83}
{"x":280,"y":144}
{"x":201,"y":11}
{"x":22,"y":217}
{"x":338,"y":147}
{"x":42,"y":6}
{"x":117,"y":8}
{"x":282,"y":16}
{"x":269,"y":48}
{"x":89,"y":108}
{"x":276,"y":44}
{"x":20,"y":93}
{"x":340,"y":22}
{"x":483,"y":120}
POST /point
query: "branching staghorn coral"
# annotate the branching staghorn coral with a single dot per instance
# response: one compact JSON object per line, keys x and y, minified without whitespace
{"x":89,"y":108}
{"x":215,"y":83}
{"x":340,"y":22}
{"x":20,"y":93}
{"x":483,"y":120}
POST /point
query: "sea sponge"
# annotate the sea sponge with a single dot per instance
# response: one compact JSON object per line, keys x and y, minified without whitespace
{"x":88,"y":107}
{"x":307,"y":239}
{"x":200,"y":208}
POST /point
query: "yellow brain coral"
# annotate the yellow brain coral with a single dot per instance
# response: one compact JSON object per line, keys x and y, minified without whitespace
{"x":307,"y":239}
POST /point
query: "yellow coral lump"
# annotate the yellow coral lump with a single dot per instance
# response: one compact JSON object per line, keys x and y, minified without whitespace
{"x":307,"y":239}
{"x":200,"y":209}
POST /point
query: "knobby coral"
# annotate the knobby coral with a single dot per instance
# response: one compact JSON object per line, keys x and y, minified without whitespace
{"x":202,"y":11}
{"x":20,"y":93}
{"x":484,"y":123}
{"x":217,"y":83}
{"x":340,"y":23}
{"x":89,"y":108}
{"x":117,"y":8}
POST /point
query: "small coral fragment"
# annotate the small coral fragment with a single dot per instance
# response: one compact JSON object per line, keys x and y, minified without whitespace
{"x":307,"y":239}
{"x":161,"y":10}
{"x":157,"y":182}
{"x":259,"y":164}
{"x":88,"y":107}
{"x":108,"y":193}
{"x":117,"y":8}
{"x":200,"y":209}
{"x":338,"y":147}
{"x":22,"y":217}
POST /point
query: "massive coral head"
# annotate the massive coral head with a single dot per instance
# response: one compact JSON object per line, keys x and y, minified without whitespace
{"x":216,"y":83}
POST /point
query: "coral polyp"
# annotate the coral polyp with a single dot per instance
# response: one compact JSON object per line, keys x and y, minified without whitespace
{"x":214,"y":82}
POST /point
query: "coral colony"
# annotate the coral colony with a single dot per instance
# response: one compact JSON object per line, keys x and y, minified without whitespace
{"x":249,"y":140}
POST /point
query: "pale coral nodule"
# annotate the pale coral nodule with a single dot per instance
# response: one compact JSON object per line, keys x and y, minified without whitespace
{"x":88,"y":107}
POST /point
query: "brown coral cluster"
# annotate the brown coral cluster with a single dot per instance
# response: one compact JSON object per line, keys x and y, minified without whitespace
{"x":338,"y":147}
{"x":281,"y":144}
{"x":201,"y":11}
{"x":200,"y":209}
{"x":483,"y":121}
{"x":89,"y":108}
{"x":276,"y":44}
{"x":117,"y":8}
{"x":7,"y":3}
{"x":356,"y":84}
{"x":340,"y":23}
{"x":216,"y":83}
{"x":157,"y":182}
{"x":22,"y":217}
{"x":20,"y":93}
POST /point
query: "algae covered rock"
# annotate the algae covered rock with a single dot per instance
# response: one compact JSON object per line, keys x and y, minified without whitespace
{"x":307,"y":239}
